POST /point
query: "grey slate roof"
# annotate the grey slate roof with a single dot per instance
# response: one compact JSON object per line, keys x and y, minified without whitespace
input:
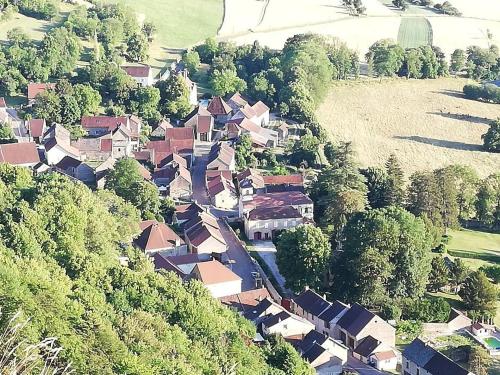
{"x":259,"y":309}
{"x":334,"y":310}
{"x":310,"y":339}
{"x":355,"y":319}
{"x":313,"y":352}
{"x":312,"y":302}
{"x":431,"y":360}
{"x":276,"y":318}
{"x":367,"y":346}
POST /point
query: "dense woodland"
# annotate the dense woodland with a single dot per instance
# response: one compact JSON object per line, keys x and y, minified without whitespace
{"x":59,"y":267}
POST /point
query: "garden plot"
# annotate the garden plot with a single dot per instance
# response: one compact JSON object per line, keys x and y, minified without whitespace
{"x":414,"y":32}
{"x":358,"y":33}
{"x":241,"y":16}
{"x":485,"y":9}
{"x":450,"y":33}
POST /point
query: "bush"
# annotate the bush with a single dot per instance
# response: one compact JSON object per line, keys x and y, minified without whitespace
{"x":487,"y":92}
{"x":440,"y":249}
{"x":426,"y":310}
{"x":391,"y":312}
{"x":409,"y":329}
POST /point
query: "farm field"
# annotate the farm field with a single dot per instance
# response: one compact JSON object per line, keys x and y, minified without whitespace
{"x":474,"y":247}
{"x":179,"y":23}
{"x":426,"y":123}
{"x":414,"y":32}
{"x":484,"y":9}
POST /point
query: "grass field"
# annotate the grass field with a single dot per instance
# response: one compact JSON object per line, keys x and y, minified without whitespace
{"x":426,"y":123}
{"x":414,"y":32}
{"x":475,"y":248}
{"x":179,"y":25}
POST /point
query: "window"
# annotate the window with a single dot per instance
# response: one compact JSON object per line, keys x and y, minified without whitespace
{"x":407,"y":364}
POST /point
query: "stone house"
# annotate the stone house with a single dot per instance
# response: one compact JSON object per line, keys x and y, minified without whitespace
{"x":158,"y":238}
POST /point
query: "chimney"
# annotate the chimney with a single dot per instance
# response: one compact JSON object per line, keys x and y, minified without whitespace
{"x":306,"y":287}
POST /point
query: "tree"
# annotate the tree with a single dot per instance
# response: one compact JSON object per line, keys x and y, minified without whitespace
{"x":435,"y":310}
{"x":70,"y":111}
{"x":492,"y":272}
{"x":385,"y":57}
{"x":6,"y":133}
{"x":447,"y":197}
{"x":394,"y":192}
{"x":207,"y":50}
{"x":491,"y":139}
{"x":137,"y":48}
{"x":87,"y":98}
{"x":226,"y":81}
{"x":338,"y":193}
{"x":47,"y":106}
{"x":243,"y":151}
{"x":438,"y":278}
{"x":423,"y":197}
{"x":458,"y":272}
{"x":398,"y":236}
{"x":191,"y":60}
{"x":283,"y":356}
{"x":479,"y":294}
{"x":376,"y":182}
{"x":304,"y":150}
{"x":457,"y":61}
{"x":174,"y":96}
{"x":302,"y":257}
{"x":466,"y":181}
{"x":402,"y":4}
{"x":488,"y":201}
{"x":479,"y":360}
{"x":144,"y":196}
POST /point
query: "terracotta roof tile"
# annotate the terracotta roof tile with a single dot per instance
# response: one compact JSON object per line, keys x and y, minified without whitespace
{"x":36,"y":127}
{"x":179,"y":134}
{"x":214,"y":272}
{"x":139,"y":71}
{"x":156,"y":235}
{"x":36,"y":88}
{"x":218,"y":106}
{"x":291,"y":179}
{"x":19,"y":153}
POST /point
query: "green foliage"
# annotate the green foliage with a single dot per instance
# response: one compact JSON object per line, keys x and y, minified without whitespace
{"x":226,"y":81}
{"x":174,"y":97}
{"x":304,"y":151}
{"x":479,"y":294}
{"x":457,"y":61}
{"x":492,"y":272}
{"x":191,"y":60}
{"x":488,"y":201}
{"x":6,"y":133}
{"x":42,"y":9}
{"x":59,"y":266}
{"x":302,"y":257}
{"x":487,"y":92}
{"x":438,"y":278}
{"x":385,"y":57}
{"x":479,"y":360}
{"x":126,"y":181}
{"x":244,"y":152}
{"x":483,"y":63}
{"x":409,"y":329}
{"x":398,"y":244}
{"x":284,"y":357}
{"x":137,"y":48}
{"x":491,"y":138}
{"x":390,"y":311}
{"x":435,"y":310}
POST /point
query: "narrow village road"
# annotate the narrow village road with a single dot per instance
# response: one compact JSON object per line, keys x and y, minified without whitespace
{"x":198,"y":175}
{"x":240,"y":261}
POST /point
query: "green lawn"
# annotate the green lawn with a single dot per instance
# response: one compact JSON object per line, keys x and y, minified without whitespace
{"x":179,"y":24}
{"x":414,"y":32}
{"x":474,"y":247}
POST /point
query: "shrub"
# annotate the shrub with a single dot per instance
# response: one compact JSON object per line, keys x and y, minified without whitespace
{"x":487,"y":92}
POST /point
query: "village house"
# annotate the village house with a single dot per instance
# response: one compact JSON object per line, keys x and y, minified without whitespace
{"x":186,"y":212}
{"x":159,"y":130}
{"x":325,"y":355}
{"x":159,"y":151}
{"x":181,"y":265}
{"x":358,"y":323}
{"x":264,"y":223}
{"x":298,"y":200}
{"x":245,"y":301}
{"x":219,"y":109}
{"x":258,"y":113}
{"x":250,"y":182}
{"x":376,"y":353}
{"x":174,"y":182}
{"x":261,"y":137}
{"x":287,"y":325}
{"x":115,"y":144}
{"x":221,"y":157}
{"x":322,"y":313}
{"x":157,"y":237}
{"x":97,"y":126}
{"x":142,"y":74}
{"x":77,"y":169}
{"x":262,"y":310}
{"x":291,"y":182}
{"x":421,"y":359}
{"x":58,"y":148}
{"x":37,"y":88}
{"x":222,"y":193}
{"x":10,"y":117}
{"x":21,"y":154}
{"x":217,"y":278}
{"x":203,"y":236}
{"x":202,"y":122}
{"x":36,"y":129}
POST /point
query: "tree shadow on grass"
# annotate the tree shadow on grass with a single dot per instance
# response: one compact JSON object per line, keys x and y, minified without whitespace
{"x":441,"y":143}
{"x":462,"y":117}
{"x":453,"y":93}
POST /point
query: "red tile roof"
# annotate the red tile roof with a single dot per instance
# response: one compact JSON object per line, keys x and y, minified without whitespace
{"x":179,"y":134}
{"x":89,"y":122}
{"x":218,"y":106}
{"x":287,"y":198}
{"x":156,"y":235}
{"x":246,"y":300}
{"x":36,"y":88}
{"x":205,"y":124}
{"x":2,"y":102}
{"x":214,"y":272}
{"x":383,"y":356}
{"x":19,"y":153}
{"x":260,"y":108}
{"x":226,"y":173}
{"x":162,"y":149}
{"x":137,"y":71}
{"x":291,"y":179}
{"x":35,"y":127}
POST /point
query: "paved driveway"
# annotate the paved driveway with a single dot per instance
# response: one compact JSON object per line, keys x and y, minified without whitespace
{"x":267,"y":252}
{"x":240,"y":261}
